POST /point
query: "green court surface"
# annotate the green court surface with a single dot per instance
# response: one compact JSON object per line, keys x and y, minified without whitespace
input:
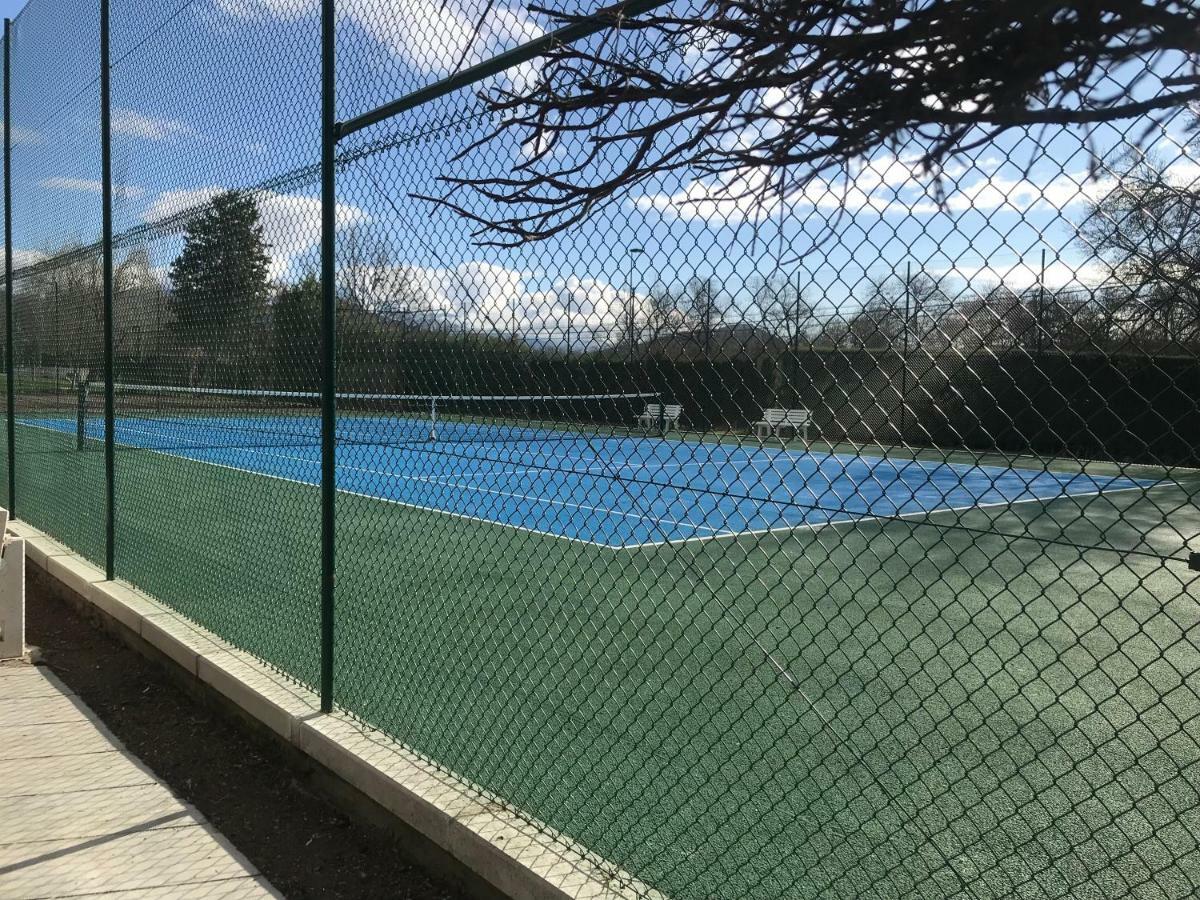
{"x":992,"y":703}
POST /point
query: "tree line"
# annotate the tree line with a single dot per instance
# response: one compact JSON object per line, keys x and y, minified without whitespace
{"x":216,"y":317}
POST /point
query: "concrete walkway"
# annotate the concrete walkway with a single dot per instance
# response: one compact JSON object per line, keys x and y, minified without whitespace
{"x":80,"y":817}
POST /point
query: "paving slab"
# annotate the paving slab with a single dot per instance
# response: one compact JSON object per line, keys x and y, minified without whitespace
{"x":69,"y":815}
{"x":40,"y":775}
{"x":80,"y":817}
{"x":230,"y":889}
{"x":46,"y":709}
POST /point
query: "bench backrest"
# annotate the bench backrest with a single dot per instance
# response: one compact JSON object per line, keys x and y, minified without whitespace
{"x":663,"y":410}
{"x":786,"y":416}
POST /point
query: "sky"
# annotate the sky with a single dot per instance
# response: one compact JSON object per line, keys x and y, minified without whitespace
{"x":211,"y":95}
{"x":10,"y":8}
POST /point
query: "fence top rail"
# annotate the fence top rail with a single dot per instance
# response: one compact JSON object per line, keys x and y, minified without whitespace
{"x":577,"y":30}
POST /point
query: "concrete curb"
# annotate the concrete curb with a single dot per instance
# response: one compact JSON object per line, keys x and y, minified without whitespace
{"x":511,"y":854}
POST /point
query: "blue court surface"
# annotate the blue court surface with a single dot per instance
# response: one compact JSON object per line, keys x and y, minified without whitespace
{"x":614,"y":491}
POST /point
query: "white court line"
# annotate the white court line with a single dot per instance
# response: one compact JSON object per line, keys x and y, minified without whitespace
{"x":718,"y":534}
{"x":853,"y":518}
{"x":659,"y":520}
{"x":653,"y":520}
{"x":308,"y":484}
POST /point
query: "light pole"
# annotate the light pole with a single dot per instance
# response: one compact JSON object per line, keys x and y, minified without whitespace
{"x":634,"y":252}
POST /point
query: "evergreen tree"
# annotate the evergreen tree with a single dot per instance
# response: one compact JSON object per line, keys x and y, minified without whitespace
{"x":220,"y":287}
{"x":296,"y":332}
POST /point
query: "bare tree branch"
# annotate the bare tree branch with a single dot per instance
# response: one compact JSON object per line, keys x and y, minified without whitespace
{"x":761,"y":97}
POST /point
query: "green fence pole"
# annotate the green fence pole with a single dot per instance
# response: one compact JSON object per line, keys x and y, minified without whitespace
{"x":81,"y":402}
{"x":106,"y":239}
{"x":329,"y":138}
{"x":9,"y":368}
{"x":904,"y":352}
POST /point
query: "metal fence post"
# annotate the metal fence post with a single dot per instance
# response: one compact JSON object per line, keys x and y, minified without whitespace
{"x":329,"y":138}
{"x":904,"y":352}
{"x":9,"y":368}
{"x":106,"y":240}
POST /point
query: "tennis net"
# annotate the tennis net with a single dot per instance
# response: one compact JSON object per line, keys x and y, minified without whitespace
{"x":169,"y":417}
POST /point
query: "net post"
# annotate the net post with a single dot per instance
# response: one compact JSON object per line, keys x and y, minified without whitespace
{"x":433,"y":419}
{"x":662,"y":417}
{"x":9,"y":367}
{"x":106,"y":237}
{"x":329,"y":137}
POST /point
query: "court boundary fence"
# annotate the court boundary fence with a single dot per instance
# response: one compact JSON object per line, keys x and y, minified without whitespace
{"x":333,"y":132}
{"x":465,"y":826}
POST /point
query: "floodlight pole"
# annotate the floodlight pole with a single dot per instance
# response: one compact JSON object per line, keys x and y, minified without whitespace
{"x":634,"y":252}
{"x":9,"y":368}
{"x":329,"y":138}
{"x":107,"y":240}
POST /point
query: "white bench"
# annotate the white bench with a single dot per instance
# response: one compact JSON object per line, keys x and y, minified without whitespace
{"x":775,"y":422}
{"x":662,"y":417}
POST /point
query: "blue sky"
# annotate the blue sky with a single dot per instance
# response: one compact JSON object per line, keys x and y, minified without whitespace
{"x":222,"y":94}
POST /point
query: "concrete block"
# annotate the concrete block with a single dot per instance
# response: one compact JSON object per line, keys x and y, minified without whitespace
{"x":74,"y":572}
{"x":178,"y":639}
{"x":123,"y":603}
{"x":259,"y":692}
{"x":21,"y":529}
{"x":12,"y":597}
{"x":378,"y":771}
{"x":480,"y":843}
{"x":39,"y":548}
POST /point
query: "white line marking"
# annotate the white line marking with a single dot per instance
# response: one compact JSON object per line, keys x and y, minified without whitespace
{"x":718,"y":534}
{"x":856,"y":518}
{"x":419,"y":506}
{"x":658,"y":520}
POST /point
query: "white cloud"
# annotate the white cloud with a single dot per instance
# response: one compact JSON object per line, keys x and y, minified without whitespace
{"x":430,"y":36}
{"x":291,"y":222}
{"x":90,"y":186}
{"x":138,"y":124}
{"x":491,"y":298}
{"x":25,"y":136}
{"x":261,"y":9}
{"x":1027,"y":273}
{"x":888,"y":185}
{"x":22,"y":258}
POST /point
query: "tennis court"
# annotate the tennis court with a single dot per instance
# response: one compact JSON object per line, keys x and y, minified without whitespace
{"x":663,"y":638}
{"x":577,"y":480}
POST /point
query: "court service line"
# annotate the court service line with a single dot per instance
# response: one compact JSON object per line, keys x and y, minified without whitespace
{"x":656,"y":520}
{"x":652,"y":520}
{"x":857,"y":518}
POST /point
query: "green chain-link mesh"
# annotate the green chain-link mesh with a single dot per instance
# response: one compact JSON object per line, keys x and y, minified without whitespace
{"x":834,"y":549}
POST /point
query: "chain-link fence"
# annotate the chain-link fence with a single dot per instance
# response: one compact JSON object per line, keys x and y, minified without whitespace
{"x":830,"y":545}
